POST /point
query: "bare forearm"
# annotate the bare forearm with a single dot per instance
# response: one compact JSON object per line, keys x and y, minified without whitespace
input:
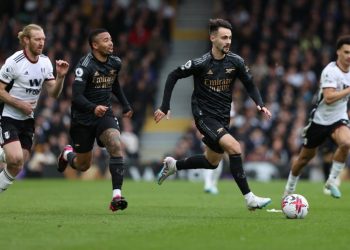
{"x":57,"y":88}
{"x":8,"y":99}
{"x":334,"y":96}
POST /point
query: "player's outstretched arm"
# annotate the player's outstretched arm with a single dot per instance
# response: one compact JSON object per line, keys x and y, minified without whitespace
{"x":54,"y":87}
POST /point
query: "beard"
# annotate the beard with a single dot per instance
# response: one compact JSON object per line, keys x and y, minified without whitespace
{"x":225,"y":50}
{"x":35,"y":51}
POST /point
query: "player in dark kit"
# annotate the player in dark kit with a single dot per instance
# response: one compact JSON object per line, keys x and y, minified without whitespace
{"x":96,"y":77}
{"x":214,"y":75}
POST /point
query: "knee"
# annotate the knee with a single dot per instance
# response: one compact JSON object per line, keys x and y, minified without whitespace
{"x":114,"y":147}
{"x":213,"y":163}
{"x":83,"y":166}
{"x":15,"y":161}
{"x":344,"y":146}
{"x":234,"y":148}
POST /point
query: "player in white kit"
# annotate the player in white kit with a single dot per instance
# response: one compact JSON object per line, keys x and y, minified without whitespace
{"x":21,"y":80}
{"x":329,"y":119}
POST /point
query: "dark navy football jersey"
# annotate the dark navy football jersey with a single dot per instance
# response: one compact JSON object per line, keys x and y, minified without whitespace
{"x":94,"y":83}
{"x":213,"y":84}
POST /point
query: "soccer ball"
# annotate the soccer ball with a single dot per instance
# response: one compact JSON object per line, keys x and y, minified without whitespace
{"x":295,"y":206}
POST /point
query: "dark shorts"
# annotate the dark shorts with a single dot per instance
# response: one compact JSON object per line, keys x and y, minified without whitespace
{"x":83,"y":137}
{"x":315,"y":134}
{"x":17,"y":130}
{"x":212,"y":130}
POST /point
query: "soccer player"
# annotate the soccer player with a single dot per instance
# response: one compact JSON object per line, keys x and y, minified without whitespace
{"x":92,"y":118}
{"x":329,"y":119}
{"x":22,"y":78}
{"x":214,"y":75}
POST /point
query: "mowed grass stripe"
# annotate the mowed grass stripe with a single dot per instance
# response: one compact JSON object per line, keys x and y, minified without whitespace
{"x":62,"y":214}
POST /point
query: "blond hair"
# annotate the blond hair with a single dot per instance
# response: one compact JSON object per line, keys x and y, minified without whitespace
{"x":25,"y":32}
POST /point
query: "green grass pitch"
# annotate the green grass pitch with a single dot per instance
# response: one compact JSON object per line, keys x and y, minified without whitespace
{"x":62,"y":214}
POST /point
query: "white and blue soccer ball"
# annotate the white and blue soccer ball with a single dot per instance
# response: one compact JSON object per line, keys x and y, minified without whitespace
{"x":295,"y":206}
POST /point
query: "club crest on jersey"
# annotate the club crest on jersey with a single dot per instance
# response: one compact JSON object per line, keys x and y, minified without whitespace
{"x":112,"y":71}
{"x":229,"y":71}
{"x":220,"y":130}
{"x":7,"y":135}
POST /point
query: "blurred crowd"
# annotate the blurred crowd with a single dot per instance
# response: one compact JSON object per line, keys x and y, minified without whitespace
{"x":286,"y":44}
{"x":141,"y":31}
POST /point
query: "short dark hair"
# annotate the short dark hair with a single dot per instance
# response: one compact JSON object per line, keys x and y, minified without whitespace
{"x":94,"y":33}
{"x":342,"y":40}
{"x":215,"y":24}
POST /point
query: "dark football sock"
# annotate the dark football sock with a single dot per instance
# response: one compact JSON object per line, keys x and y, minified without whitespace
{"x":116,"y":167}
{"x":70,"y":158}
{"x":194,"y":162}
{"x":326,"y":169}
{"x":236,"y":167}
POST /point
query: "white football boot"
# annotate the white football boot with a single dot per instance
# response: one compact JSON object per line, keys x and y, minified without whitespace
{"x":256,"y":202}
{"x":168,"y":169}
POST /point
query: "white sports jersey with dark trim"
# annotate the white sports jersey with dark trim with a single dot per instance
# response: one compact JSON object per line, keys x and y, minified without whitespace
{"x":332,"y":77}
{"x":24,"y":81}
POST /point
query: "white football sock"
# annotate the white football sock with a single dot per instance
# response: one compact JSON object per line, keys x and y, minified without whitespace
{"x":6,"y":180}
{"x":337,"y":167}
{"x":217,"y":173}
{"x":117,"y":192}
{"x":2,"y":155}
{"x":292,"y":182}
{"x":207,"y":175}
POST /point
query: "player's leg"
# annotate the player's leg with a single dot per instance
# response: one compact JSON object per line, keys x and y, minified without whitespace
{"x":211,"y":130}
{"x":14,"y":164}
{"x":211,"y":177}
{"x":216,"y":175}
{"x":327,"y":158}
{"x":233,"y":149}
{"x":78,"y":156}
{"x":341,"y":136}
{"x":17,"y":142}
{"x":109,"y":136}
{"x":305,"y":155}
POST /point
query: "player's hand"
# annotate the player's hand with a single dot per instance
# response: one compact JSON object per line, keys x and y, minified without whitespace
{"x":264,"y":110}
{"x":128,"y":114}
{"x":27,"y":107}
{"x":159,"y":115}
{"x":100,"y":110}
{"x":62,"y":67}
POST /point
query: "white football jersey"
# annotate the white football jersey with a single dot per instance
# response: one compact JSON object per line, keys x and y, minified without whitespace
{"x":332,"y":77}
{"x":25,"y":80}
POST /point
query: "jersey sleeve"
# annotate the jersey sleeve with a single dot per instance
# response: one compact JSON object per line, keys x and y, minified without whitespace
{"x":78,"y":89}
{"x":49,"y":71}
{"x":328,"y":78}
{"x":117,"y":89}
{"x":247,"y":79}
{"x":8,"y":71}
{"x":183,"y":71}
